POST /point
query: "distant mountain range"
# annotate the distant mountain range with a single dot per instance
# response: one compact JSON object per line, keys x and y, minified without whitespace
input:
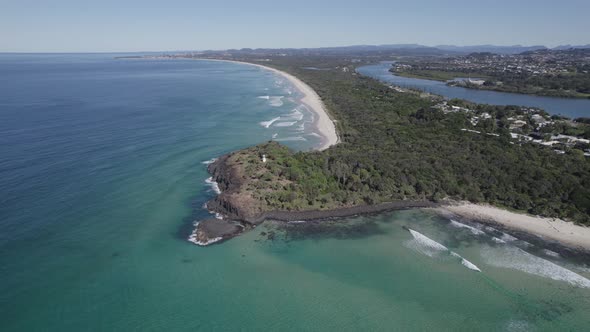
{"x":405,"y":49}
{"x":514,"y":49}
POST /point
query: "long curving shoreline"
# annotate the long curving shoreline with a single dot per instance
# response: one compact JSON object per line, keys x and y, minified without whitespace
{"x":556,"y":230}
{"x":324,"y":124}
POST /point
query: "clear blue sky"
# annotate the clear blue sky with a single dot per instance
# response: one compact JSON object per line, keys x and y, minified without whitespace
{"x":167,"y":25}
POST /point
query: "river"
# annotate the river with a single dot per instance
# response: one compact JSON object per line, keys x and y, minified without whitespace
{"x":573,"y":108}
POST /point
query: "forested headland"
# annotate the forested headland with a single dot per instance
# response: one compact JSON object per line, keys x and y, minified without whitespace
{"x":397,"y":146}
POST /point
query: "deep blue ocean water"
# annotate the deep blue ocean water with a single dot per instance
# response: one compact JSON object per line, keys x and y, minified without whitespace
{"x":102,"y":174}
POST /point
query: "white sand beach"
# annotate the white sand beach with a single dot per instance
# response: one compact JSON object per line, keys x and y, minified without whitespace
{"x":323,"y":122}
{"x":567,"y":233}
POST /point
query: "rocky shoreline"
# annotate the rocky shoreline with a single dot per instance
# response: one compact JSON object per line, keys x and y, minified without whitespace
{"x":239,"y":213}
{"x":237,"y":210}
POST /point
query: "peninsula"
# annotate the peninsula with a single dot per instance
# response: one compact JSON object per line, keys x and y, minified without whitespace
{"x":397,"y":151}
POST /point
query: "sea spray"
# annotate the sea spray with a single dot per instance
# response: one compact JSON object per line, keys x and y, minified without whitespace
{"x":193,"y":238}
{"x":214,"y":186}
{"x":210,"y":161}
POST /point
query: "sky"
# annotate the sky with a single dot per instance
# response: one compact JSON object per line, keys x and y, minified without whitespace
{"x":171,"y":25}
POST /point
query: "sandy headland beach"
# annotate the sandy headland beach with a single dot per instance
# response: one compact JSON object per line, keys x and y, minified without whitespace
{"x":322,"y":121}
{"x":552,"y":229}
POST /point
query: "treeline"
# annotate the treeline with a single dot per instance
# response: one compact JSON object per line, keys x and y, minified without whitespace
{"x":395,"y":147}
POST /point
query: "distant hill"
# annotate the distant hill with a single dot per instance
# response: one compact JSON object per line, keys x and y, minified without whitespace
{"x":514,"y":49}
{"x":567,"y":47}
{"x":396,"y":49}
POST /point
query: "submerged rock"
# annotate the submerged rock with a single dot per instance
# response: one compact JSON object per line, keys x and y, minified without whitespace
{"x":210,"y":231}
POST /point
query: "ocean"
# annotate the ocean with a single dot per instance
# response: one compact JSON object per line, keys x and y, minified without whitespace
{"x":103,"y":172}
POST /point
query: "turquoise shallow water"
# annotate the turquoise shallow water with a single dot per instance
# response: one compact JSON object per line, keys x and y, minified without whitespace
{"x":102,"y":174}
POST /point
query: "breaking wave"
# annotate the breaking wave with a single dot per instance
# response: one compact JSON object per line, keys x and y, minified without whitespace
{"x":214,"y":186}
{"x":469,"y":265}
{"x":268,"y":123}
{"x":508,"y":238}
{"x":276,"y":101}
{"x":210,"y":161}
{"x":497,"y":240}
{"x":193,"y":237}
{"x":294,"y":115}
{"x":551,"y":253}
{"x":431,"y":248}
{"x":285,"y":124}
{"x":471,"y":228}
{"x":425,"y":245}
{"x":518,"y":259}
{"x":290,"y":139}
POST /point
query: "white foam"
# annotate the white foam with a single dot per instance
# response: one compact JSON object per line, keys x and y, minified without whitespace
{"x":495,"y":239}
{"x":276,"y":101}
{"x":517,"y":326}
{"x":268,"y":123}
{"x":315,"y":134}
{"x":508,"y":237}
{"x":472,"y":229}
{"x":551,"y":253}
{"x":214,"y":186}
{"x":431,"y":248}
{"x":295,"y":115}
{"x":469,"y":265}
{"x":210,"y":161}
{"x":296,"y":222}
{"x":275,"y":135}
{"x":285,"y":124}
{"x":515,"y":258}
{"x":264,"y":97}
{"x":193,"y":238}
{"x":288,"y":139}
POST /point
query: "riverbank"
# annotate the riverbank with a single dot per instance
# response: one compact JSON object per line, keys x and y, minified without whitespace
{"x":312,"y":101}
{"x":570,"y":107}
{"x":553,"y":229}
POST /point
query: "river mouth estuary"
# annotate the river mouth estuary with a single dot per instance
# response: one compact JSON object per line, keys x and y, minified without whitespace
{"x":104,"y":172}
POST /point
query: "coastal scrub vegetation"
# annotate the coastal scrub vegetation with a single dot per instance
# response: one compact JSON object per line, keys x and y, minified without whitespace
{"x":396,"y":146}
